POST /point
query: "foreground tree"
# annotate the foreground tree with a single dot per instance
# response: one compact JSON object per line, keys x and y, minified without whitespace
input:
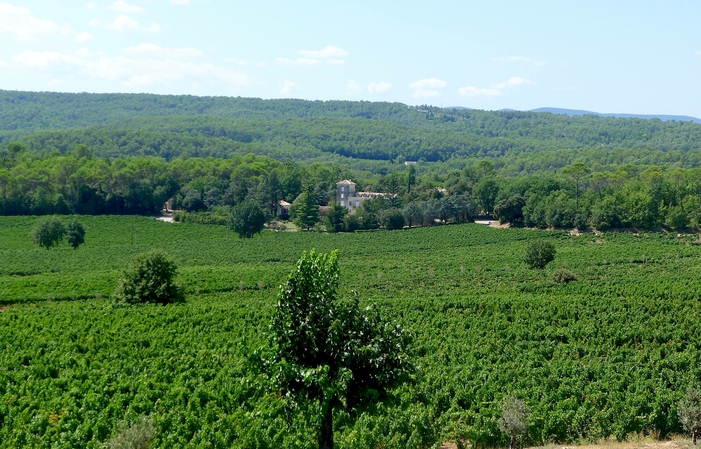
{"x":48,"y":232}
{"x":690,"y":412}
{"x":328,"y":351}
{"x":514,"y":419}
{"x":150,"y":279}
{"x":247,"y":219}
{"x":75,"y":234}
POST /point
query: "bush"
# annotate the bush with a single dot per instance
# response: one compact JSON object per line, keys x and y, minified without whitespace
{"x":48,"y":232}
{"x":75,"y":234}
{"x":539,"y":254}
{"x":136,"y":436}
{"x":563,"y":276}
{"x":150,"y":279}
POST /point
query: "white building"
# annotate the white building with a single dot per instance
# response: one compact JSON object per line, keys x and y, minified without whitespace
{"x":347,"y":196}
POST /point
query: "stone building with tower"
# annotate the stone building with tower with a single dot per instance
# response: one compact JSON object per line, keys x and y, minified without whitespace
{"x":348,"y":197}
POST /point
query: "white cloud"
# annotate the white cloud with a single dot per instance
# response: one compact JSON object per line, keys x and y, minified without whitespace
{"x":152,"y":50}
{"x":521,"y":59}
{"x":3,"y":64}
{"x":353,"y":87}
{"x":288,"y":87}
{"x":429,"y":83}
{"x":513,"y":82}
{"x":427,"y":87}
{"x":331,"y":55}
{"x":328,"y":52}
{"x":698,"y":53}
{"x":90,"y":5}
{"x":496,"y":90}
{"x":54,"y":83}
{"x":122,"y":6}
{"x":180,"y":2}
{"x":129,"y":71}
{"x":123,"y":23}
{"x":298,"y":61}
{"x":472,"y":91}
{"x":83,"y":37}
{"x":95,"y":23}
{"x":20,"y":23}
{"x":379,"y":88}
{"x":563,"y":89}
{"x":43,"y":59}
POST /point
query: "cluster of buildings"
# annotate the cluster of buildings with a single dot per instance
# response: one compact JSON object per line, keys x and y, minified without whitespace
{"x":346,"y":196}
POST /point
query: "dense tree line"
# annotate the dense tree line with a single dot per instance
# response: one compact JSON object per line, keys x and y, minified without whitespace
{"x":645,"y":197}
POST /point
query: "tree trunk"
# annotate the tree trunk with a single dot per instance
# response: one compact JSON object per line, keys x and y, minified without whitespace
{"x":693,"y":437}
{"x":326,"y":435}
{"x":513,"y":442}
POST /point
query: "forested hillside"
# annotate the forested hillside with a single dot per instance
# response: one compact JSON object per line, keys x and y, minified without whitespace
{"x":185,"y":126}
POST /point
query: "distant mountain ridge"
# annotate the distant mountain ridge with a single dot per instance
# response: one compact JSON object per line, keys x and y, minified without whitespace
{"x":576,"y":112}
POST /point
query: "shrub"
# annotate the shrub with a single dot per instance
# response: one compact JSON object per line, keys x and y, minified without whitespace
{"x":150,"y":279}
{"x":48,"y":232}
{"x":539,"y":254}
{"x":139,"y":435}
{"x":563,"y":276}
{"x":75,"y":234}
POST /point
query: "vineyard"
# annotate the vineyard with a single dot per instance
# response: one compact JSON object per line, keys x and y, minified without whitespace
{"x":609,"y":354}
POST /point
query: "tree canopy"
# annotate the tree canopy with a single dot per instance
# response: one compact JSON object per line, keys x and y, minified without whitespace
{"x":329,"y":351}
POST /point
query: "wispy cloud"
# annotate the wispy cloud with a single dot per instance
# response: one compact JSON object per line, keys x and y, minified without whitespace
{"x":123,"y":24}
{"x":288,"y":87}
{"x":328,"y":52}
{"x":298,"y":61}
{"x":180,"y":2}
{"x":83,"y":37}
{"x":380,"y":87}
{"x":354,"y":88}
{"x":427,"y":87}
{"x":330,"y":55}
{"x":130,"y":71}
{"x":495,"y":90}
{"x":20,"y":23}
{"x":521,"y":59}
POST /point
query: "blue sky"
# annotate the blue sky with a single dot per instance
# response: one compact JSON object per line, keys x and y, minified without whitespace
{"x":605,"y":56}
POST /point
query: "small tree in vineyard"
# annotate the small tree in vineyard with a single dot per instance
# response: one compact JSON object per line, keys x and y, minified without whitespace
{"x":150,"y":279}
{"x":690,"y":412}
{"x":539,"y":254}
{"x":48,"y":232}
{"x":75,"y":234}
{"x":514,"y":419}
